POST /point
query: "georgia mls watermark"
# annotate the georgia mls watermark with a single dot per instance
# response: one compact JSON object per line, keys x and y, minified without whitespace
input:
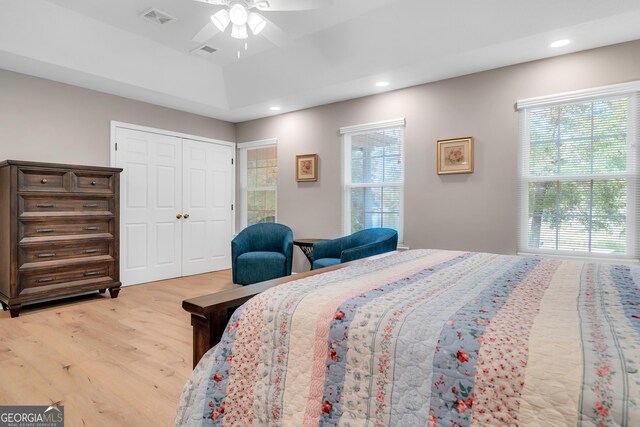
{"x":32,"y":416}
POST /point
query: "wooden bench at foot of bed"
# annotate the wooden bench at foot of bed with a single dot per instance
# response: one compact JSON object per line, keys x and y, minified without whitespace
{"x":211,"y":313}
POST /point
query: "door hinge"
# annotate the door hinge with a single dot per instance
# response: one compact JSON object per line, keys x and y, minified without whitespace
{"x":232,"y":160}
{"x":116,"y":146}
{"x":231,"y":206}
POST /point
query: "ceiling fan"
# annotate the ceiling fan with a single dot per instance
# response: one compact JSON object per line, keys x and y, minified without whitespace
{"x":242,"y":17}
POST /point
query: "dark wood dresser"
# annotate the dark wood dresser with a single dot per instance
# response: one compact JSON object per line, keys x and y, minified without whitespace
{"x":59,"y":231}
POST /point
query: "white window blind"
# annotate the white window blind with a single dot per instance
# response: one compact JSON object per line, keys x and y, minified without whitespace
{"x":258,"y":182}
{"x":374,"y":178}
{"x":579,"y":175}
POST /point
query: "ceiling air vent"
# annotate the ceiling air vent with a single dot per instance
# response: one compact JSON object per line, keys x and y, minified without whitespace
{"x":157,"y":16}
{"x":204,"y":50}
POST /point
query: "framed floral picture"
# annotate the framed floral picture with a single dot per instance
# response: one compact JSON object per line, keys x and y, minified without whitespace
{"x":455,"y":155}
{"x":307,"y":167}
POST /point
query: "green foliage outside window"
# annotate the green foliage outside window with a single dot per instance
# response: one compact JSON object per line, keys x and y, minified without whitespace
{"x":262,"y":177}
{"x":579,"y":153}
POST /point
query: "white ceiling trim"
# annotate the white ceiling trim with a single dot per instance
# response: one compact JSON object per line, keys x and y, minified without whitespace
{"x":335,"y":54}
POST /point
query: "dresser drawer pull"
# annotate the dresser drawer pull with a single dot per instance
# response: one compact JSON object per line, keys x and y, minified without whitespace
{"x":46,"y":279}
{"x":91,"y":251}
{"x":91,"y":228}
{"x":49,"y":255}
{"x":90,"y":205}
{"x":45,"y":230}
{"x":92,"y":273}
{"x":44,"y":180}
{"x":45,"y":205}
{"x":93,"y":183}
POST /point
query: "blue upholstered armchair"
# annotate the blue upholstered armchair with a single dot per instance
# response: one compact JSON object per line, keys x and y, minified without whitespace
{"x":261,"y":252}
{"x":362,"y":244}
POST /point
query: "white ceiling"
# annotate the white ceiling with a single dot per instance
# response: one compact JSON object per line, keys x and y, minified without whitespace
{"x":327,"y":55}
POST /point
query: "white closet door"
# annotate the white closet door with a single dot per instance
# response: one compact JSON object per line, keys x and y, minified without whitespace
{"x":207,"y":199}
{"x":151,"y":197}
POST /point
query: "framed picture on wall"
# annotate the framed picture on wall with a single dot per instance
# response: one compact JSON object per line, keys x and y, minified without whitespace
{"x":307,"y":167}
{"x":455,"y":155}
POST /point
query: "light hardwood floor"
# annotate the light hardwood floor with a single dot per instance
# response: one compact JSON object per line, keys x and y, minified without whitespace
{"x":110,"y":362}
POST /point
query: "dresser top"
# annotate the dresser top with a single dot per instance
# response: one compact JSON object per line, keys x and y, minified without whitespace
{"x":57,"y":165}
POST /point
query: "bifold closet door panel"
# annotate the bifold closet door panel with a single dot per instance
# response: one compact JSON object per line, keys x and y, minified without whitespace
{"x":207,"y":200}
{"x":151,"y":200}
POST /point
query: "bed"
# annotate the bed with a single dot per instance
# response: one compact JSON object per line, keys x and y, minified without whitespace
{"x":427,"y":337}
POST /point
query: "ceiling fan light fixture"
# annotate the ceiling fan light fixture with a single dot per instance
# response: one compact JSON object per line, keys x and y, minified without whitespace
{"x":256,"y":23}
{"x":221,"y":19}
{"x":238,"y":14}
{"x":239,"y":31}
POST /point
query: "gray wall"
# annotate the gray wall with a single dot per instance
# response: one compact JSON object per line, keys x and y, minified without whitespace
{"x":42,"y":120}
{"x":473,"y":211}
{"x":47,"y":121}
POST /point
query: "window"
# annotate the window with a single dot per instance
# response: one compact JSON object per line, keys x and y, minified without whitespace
{"x":373,"y":176}
{"x":258,"y":181}
{"x":579,"y":174}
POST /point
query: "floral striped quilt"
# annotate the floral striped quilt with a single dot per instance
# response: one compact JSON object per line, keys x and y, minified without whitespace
{"x":430,"y":338}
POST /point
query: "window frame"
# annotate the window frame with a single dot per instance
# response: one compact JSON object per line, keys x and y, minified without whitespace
{"x":243,"y":148}
{"x":348,"y":132}
{"x":632,"y":175}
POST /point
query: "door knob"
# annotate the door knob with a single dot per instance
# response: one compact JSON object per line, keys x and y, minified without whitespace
{"x":186,"y":216}
{"x":178,"y":216}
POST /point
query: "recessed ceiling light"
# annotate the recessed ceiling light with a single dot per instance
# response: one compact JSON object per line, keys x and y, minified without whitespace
{"x":274,"y":108}
{"x":560,"y":43}
{"x":382,"y":84}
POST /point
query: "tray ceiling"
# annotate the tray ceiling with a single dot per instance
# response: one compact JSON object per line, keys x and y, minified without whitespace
{"x":327,"y":55}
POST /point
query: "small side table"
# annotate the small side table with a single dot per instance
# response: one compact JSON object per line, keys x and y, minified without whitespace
{"x":306,"y":246}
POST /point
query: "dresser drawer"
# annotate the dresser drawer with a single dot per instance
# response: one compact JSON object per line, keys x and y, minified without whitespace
{"x":32,"y":205}
{"x":33,"y":255}
{"x":41,"y":180}
{"x":92,"y":182}
{"x":67,"y":276}
{"x":78,"y":227}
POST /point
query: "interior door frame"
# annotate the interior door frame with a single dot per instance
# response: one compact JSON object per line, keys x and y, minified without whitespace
{"x":112,"y":156}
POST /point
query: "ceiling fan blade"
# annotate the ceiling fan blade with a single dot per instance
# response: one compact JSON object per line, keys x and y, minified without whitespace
{"x":283,"y":5}
{"x":274,"y":34}
{"x":216,"y":2}
{"x":206,"y":33}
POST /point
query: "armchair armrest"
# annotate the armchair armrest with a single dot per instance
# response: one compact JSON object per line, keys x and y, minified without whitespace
{"x":287,"y":250}
{"x":239,"y":245}
{"x":329,"y":248}
{"x":366,"y":251}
